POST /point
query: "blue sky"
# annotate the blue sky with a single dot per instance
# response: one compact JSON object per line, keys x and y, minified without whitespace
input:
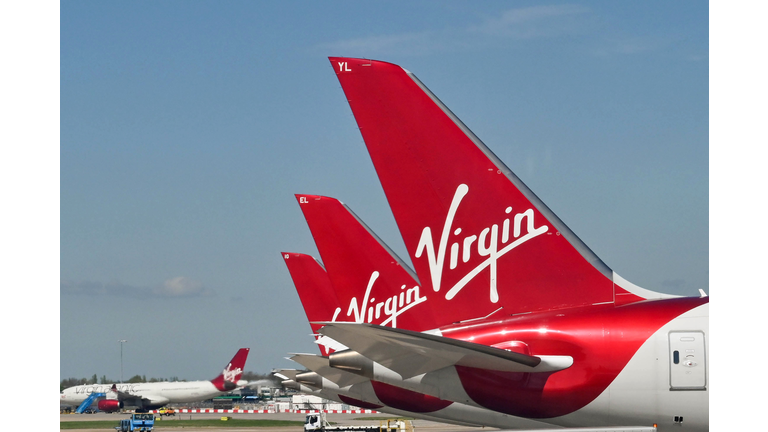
{"x":186,"y":128}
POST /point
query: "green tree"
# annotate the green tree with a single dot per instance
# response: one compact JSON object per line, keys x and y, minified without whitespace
{"x":135,"y":379}
{"x":71,"y":382}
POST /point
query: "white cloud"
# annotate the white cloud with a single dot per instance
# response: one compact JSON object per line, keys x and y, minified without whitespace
{"x":521,"y":23}
{"x":175,"y":287}
{"x":181,"y":286}
{"x":633,"y":45}
{"x":518,"y":24}
{"x":532,"y":22}
{"x":405,"y":43}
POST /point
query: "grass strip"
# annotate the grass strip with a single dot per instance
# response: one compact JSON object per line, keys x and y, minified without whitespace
{"x":383,"y":418}
{"x":167,"y":424}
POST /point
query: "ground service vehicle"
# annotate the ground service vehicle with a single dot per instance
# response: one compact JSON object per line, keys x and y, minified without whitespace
{"x":166,"y":412}
{"x":318,"y":422}
{"x":137,"y":422}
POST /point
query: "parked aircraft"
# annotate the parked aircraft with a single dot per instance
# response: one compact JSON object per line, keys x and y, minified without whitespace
{"x":148,"y":396}
{"x":528,"y":320}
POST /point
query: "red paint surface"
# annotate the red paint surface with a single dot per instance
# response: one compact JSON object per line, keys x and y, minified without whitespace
{"x":407,"y":400}
{"x":358,"y":403}
{"x":109,"y":405}
{"x":352,"y":254}
{"x":237,"y":362}
{"x":421,"y":157}
{"x":315,"y":290}
{"x":601,"y":340}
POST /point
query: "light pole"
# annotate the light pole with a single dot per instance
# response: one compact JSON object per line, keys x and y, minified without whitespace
{"x":121,"y":359}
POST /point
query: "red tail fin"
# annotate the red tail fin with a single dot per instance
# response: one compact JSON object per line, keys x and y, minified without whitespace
{"x":475,"y":232}
{"x":372,"y":284}
{"x":315,"y":291}
{"x":228,"y":378}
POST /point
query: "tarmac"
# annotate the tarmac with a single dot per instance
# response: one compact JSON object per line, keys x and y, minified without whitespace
{"x":339,"y":419}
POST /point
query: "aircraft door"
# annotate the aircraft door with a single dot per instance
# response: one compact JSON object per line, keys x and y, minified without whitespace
{"x":688,"y":367}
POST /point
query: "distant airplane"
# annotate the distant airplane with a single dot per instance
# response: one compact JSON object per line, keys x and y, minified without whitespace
{"x":149,"y":396}
{"x":528,"y":321}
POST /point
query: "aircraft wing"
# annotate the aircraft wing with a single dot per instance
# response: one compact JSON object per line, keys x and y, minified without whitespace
{"x":412,"y":353}
{"x":136,"y":400}
{"x":330,"y":344}
{"x":129,"y":399}
{"x":286,"y":373}
{"x":320,"y":366}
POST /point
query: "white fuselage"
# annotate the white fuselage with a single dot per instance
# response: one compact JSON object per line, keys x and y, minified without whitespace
{"x":159,"y":392}
{"x":652,"y":388}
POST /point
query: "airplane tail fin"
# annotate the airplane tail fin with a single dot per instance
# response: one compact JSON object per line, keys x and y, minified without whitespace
{"x":475,"y":232}
{"x":314,"y":288}
{"x":373,"y":285}
{"x":228,"y":378}
{"x":315,"y":291}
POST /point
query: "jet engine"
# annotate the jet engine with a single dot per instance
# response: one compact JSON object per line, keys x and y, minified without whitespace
{"x":110,"y":405}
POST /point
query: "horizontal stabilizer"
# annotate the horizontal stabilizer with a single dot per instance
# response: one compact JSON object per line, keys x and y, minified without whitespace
{"x":411,"y":353}
{"x":320,"y":366}
{"x":286,"y":373}
{"x":330,"y":344}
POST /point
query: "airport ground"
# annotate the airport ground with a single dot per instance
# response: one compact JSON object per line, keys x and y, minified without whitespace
{"x":341,"y":419}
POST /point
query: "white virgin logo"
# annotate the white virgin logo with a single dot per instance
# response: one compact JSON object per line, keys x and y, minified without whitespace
{"x":487,"y":245}
{"x":392,"y":307}
{"x":231,"y":374}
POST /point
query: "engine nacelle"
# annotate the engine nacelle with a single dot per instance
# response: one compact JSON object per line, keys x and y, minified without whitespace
{"x":110,"y":405}
{"x":351,"y":361}
{"x":291,"y":384}
{"x":311,"y":379}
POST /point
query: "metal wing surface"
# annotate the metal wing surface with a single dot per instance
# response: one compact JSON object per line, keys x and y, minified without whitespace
{"x":320,"y":366}
{"x":412,"y":353}
{"x":287,"y":373}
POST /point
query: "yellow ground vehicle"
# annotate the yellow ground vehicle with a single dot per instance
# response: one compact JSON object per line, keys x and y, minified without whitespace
{"x":166,"y":412}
